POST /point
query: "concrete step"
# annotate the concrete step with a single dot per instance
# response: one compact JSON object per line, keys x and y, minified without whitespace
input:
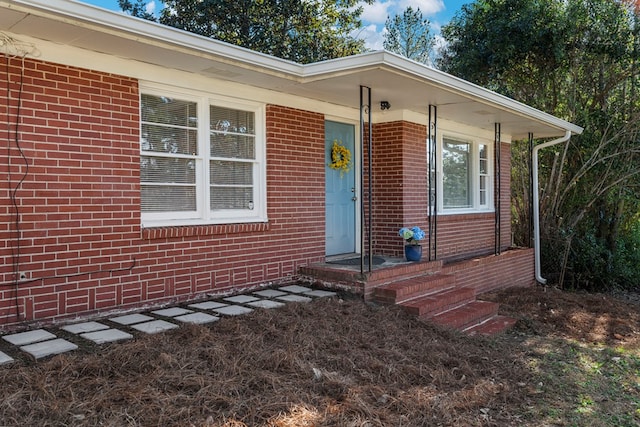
{"x":438,"y":302}
{"x":467,"y":315}
{"x":401,"y":291}
{"x":493,"y":326}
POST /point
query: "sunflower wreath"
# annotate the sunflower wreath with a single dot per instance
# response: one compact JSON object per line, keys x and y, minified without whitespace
{"x":340,"y":158}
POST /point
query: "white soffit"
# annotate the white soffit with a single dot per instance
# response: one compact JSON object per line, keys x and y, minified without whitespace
{"x":405,"y":84}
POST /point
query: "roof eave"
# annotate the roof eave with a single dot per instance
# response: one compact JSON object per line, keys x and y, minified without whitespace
{"x":132,"y":28}
{"x":397,"y":63}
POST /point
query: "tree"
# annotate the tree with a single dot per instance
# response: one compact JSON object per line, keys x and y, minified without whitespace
{"x":303,"y":31}
{"x":575,"y":59}
{"x":409,"y":35}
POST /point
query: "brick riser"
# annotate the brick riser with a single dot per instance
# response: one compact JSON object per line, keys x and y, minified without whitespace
{"x":410,"y":289}
{"x":467,"y":315}
{"x":435,"y":297}
{"x":493,"y":326}
{"x":431,"y":305}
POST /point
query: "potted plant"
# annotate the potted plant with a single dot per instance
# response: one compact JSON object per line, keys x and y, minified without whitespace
{"x":412,"y":235}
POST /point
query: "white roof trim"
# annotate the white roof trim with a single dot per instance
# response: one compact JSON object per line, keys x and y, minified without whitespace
{"x":125,"y":26}
{"x":120,"y":23}
{"x":392,"y":61}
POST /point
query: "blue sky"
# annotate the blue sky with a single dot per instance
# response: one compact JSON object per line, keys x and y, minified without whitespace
{"x":439,"y":12}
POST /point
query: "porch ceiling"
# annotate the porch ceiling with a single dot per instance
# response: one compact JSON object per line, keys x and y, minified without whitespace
{"x":405,"y":84}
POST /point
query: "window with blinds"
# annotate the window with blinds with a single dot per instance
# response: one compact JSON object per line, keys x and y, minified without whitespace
{"x":201,"y":160}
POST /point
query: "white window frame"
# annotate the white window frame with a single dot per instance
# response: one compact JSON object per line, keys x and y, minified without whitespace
{"x":203,"y":215}
{"x":475,"y":175}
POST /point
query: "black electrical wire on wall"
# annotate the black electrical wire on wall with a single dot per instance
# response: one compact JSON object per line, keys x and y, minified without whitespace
{"x":14,"y":51}
{"x":14,"y":184}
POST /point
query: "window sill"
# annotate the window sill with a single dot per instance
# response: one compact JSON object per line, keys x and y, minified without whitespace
{"x":467,"y":216}
{"x":152,"y":233}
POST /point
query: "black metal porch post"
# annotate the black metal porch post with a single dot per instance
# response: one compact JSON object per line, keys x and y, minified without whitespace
{"x":365,"y":110}
{"x":432,"y":182}
{"x":497,"y":149}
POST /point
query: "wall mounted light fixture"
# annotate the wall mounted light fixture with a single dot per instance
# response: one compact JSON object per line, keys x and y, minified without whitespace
{"x":384,"y":105}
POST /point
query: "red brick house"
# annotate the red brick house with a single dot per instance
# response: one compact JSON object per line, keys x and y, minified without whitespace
{"x":147,"y":165}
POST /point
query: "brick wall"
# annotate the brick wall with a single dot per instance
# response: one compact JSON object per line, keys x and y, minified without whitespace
{"x":400,"y":198}
{"x":78,"y":207}
{"x":510,"y":268}
{"x":399,"y":181}
{"x":78,"y":203}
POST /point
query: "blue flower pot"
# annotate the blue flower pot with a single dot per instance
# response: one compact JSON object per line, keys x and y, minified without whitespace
{"x":413,"y":252}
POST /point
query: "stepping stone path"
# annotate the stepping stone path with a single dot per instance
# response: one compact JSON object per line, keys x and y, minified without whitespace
{"x":154,"y":326}
{"x":106,"y":336}
{"x":265,"y":304}
{"x":197,"y":318}
{"x":294,"y":298}
{"x":40,"y":343}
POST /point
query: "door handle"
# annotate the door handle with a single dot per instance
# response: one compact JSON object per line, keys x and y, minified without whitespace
{"x":354,"y":198}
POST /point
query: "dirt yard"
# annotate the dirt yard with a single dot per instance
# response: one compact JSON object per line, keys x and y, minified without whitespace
{"x":572,"y":359}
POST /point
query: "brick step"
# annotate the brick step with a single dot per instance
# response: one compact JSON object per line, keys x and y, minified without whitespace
{"x":412,"y":288}
{"x":403,"y":271}
{"x":438,"y":302}
{"x":493,"y":326}
{"x":467,"y":315}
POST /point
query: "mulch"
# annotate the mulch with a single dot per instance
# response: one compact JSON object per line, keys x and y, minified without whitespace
{"x":333,"y":362}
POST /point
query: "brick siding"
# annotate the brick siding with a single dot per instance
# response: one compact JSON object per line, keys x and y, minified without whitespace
{"x":79,"y":204}
{"x":399,"y":183}
{"x":513,"y":268}
{"x":400,"y":198}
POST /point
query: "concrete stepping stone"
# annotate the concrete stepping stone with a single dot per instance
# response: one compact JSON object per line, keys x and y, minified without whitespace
{"x":294,"y":298}
{"x":233,"y":310}
{"x":107,"y":335}
{"x":80,"y":328}
{"x":197,"y":318}
{"x":154,"y":326}
{"x":29,"y":337}
{"x":172,"y":312}
{"x":296,"y":289}
{"x":207,"y":305}
{"x":5,"y":358}
{"x":241,"y":299}
{"x":48,"y":348}
{"x":270,"y":293}
{"x":266,"y":303}
{"x":131,"y":319}
{"x":321,"y":294}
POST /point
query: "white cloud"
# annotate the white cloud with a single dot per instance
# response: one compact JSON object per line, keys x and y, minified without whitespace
{"x":151,"y":7}
{"x":375,"y":15}
{"x":373,"y":38}
{"x":427,"y":7}
{"x":378,"y":11}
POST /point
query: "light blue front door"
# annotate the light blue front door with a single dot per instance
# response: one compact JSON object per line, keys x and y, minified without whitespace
{"x":341,"y":193}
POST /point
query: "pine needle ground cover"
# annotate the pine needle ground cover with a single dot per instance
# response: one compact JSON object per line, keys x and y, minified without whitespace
{"x":572,"y":359}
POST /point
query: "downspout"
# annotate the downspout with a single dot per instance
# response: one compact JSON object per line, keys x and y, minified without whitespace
{"x":536,"y":203}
